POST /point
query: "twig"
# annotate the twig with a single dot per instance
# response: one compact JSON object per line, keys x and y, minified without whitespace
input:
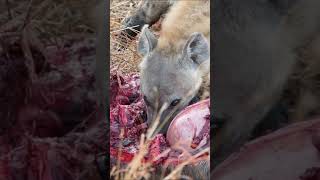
{"x":125,"y":29}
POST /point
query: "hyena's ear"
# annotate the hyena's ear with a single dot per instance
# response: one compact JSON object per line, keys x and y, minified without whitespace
{"x":197,"y":49}
{"x":147,"y":41}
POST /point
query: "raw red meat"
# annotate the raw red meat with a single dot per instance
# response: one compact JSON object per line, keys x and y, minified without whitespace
{"x":51,"y":127}
{"x":127,"y":112}
{"x":191,"y":127}
{"x":157,"y":146}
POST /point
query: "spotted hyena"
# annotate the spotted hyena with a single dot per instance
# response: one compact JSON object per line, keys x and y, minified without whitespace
{"x":175,"y":65}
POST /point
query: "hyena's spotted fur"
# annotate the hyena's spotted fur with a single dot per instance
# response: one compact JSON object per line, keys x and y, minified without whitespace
{"x":176,"y":65}
{"x":192,"y":17}
{"x":177,"y":62}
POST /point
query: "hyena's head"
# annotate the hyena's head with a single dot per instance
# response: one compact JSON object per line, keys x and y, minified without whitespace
{"x":170,"y":78}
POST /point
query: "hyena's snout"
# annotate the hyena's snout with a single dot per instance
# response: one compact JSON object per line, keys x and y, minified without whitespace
{"x":162,"y":117}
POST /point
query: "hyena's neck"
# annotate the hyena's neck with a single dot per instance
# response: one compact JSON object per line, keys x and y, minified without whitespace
{"x":183,"y":19}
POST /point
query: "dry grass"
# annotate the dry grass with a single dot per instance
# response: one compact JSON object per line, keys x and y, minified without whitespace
{"x":48,"y":19}
{"x":125,"y":61}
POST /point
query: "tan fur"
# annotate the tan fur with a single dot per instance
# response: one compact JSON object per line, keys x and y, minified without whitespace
{"x":184,"y":18}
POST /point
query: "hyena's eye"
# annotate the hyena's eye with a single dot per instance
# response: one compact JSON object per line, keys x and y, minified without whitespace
{"x":175,"y":102}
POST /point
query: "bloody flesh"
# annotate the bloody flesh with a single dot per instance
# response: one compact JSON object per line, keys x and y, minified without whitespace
{"x":51,"y":127}
{"x":127,"y":114}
